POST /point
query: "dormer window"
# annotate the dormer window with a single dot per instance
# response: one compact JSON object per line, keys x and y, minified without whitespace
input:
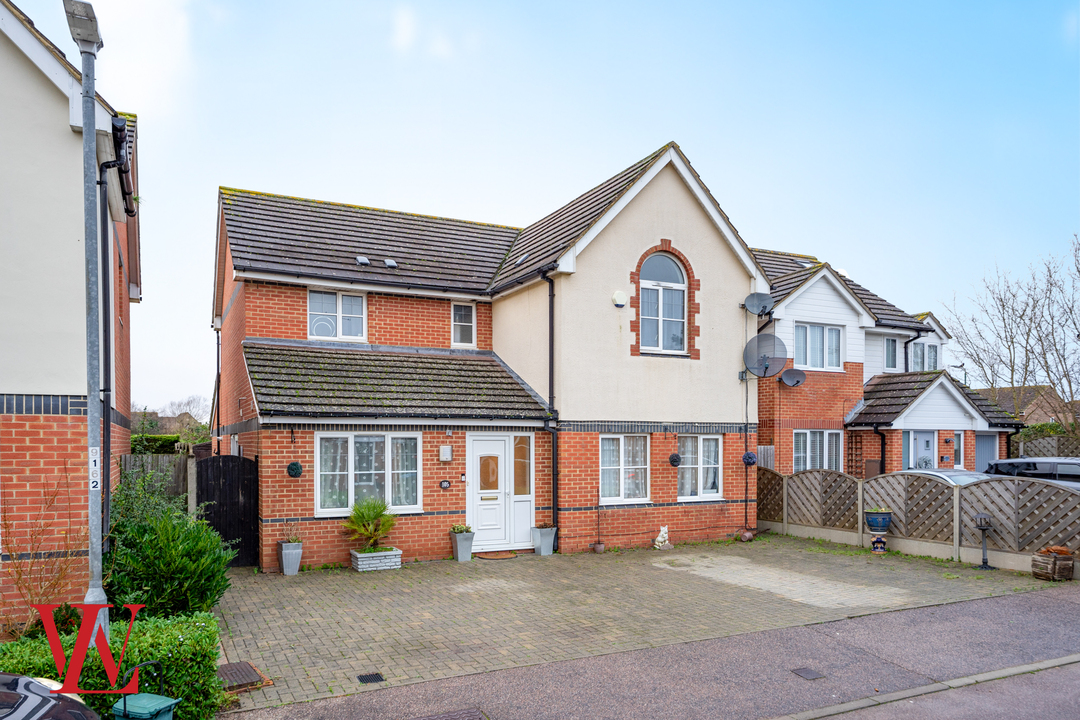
{"x":924,"y":356}
{"x":663,"y":305}
{"x":335,"y":315}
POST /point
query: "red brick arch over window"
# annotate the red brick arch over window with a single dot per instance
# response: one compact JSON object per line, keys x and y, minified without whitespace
{"x":692,"y":307}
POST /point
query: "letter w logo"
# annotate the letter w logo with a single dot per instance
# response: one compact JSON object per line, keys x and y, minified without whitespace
{"x":82,"y":646}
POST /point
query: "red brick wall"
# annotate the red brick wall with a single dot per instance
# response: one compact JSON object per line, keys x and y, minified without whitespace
{"x":579,"y":486}
{"x":420,"y":537}
{"x":863,"y":445}
{"x":39,"y":453}
{"x":693,"y":285}
{"x":821,"y":403}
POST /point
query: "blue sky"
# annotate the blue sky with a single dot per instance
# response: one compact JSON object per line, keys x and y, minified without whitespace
{"x":914,"y":144}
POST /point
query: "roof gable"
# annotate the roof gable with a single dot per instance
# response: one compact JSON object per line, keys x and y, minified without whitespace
{"x":888,"y":397}
{"x":787,"y":288}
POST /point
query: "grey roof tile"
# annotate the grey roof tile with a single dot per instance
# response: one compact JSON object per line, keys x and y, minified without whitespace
{"x":887,"y":396}
{"x":358,"y":382}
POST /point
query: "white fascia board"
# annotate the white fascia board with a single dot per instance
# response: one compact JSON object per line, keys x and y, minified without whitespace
{"x":514,"y":289}
{"x":301,"y":420}
{"x":568,"y":259}
{"x":978,"y":422}
{"x":865,"y":319}
{"x":251,"y":387}
{"x":355,"y":287}
{"x":940,"y":336}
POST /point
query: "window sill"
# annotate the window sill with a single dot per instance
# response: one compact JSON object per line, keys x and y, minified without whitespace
{"x":700,"y":498}
{"x":659,"y":353}
{"x":362,"y":341}
{"x":620,"y":501}
{"x":460,"y":346}
{"x":804,"y":368}
{"x":342,"y":514}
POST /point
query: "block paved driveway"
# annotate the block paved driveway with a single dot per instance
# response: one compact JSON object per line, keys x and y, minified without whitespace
{"x":313,"y":633}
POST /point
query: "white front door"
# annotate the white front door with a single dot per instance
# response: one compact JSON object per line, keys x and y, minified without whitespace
{"x":499,"y":487}
{"x":489,"y":492}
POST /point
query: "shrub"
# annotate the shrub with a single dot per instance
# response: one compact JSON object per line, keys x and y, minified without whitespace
{"x":174,"y":564}
{"x":187,"y":648}
{"x":139,"y":497}
{"x":154,"y":444}
{"x":370,"y":521}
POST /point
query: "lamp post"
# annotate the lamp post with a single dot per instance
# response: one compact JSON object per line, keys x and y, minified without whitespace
{"x":84,"y":31}
{"x":982,"y":523}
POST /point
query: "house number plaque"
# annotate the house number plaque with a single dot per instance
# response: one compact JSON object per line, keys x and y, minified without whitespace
{"x":444,"y":484}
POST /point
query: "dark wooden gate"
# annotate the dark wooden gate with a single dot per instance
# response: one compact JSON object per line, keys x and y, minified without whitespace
{"x":230,"y":484}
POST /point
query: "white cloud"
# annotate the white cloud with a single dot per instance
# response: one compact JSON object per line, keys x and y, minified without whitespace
{"x":441,"y":47}
{"x":404,"y":36}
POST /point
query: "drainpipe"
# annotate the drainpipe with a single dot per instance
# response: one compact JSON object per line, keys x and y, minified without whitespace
{"x":217,"y":393}
{"x":1008,"y":442}
{"x":882,"y":436}
{"x":551,"y":401}
{"x":919,"y":334}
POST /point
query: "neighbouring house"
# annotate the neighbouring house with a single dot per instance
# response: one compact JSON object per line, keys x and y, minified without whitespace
{"x":43,"y":400}
{"x":874,"y":381}
{"x":1032,"y":404}
{"x":583,"y":370}
{"x":155,"y":423}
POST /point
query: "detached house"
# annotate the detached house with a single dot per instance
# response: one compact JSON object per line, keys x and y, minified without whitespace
{"x":43,"y":402}
{"x":583,"y":370}
{"x":874,"y":387}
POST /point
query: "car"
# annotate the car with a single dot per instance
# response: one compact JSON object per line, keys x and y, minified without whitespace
{"x":23,"y":697}
{"x":953,"y":477}
{"x":1061,"y":470}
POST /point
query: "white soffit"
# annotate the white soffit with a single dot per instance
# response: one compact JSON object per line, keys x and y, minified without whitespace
{"x":567,"y":261}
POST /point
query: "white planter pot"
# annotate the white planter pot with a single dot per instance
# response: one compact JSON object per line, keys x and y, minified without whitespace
{"x":462,"y":543}
{"x":543,"y":540}
{"x":385,"y":560}
{"x":289,"y":555}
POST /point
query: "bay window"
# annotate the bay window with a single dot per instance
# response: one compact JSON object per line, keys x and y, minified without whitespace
{"x":817,"y":347}
{"x":816,"y":450}
{"x":700,"y":476}
{"x":624,"y":468}
{"x":350,"y":468}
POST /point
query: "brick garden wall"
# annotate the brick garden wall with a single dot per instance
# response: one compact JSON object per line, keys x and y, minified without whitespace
{"x":636,"y":526}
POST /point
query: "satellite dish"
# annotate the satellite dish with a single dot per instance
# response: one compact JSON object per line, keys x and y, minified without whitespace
{"x":765,"y":355}
{"x":758,"y":303}
{"x":792,"y":377}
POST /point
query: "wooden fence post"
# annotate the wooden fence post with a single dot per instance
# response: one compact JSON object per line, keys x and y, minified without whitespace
{"x":859,"y":513}
{"x":956,"y":523}
{"x":785,"y":504}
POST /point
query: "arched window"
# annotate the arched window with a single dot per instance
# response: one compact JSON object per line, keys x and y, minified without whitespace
{"x":663,"y":305}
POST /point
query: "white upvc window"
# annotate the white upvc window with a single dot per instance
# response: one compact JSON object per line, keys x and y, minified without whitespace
{"x":817,"y":347}
{"x":701,"y":475}
{"x":351,"y":467}
{"x":817,"y":449}
{"x":924,"y":356}
{"x":336,"y":315}
{"x":624,"y":468}
{"x":958,"y":450}
{"x":890,"y":353}
{"x":662,"y":307}
{"x":463,"y":325}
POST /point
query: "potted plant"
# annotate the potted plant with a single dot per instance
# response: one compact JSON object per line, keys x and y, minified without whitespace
{"x":1052,"y":563}
{"x":370,"y":522}
{"x":290,"y":548}
{"x":461,"y":537}
{"x":543,"y":538}
{"x":878,"y":520}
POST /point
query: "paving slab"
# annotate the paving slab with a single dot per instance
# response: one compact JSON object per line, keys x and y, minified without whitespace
{"x":315,"y":632}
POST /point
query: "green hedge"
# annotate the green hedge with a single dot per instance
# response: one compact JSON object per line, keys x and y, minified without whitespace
{"x":154,"y":444}
{"x":186,"y":646}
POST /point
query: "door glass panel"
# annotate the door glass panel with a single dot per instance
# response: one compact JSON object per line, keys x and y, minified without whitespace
{"x":522,"y":463}
{"x":489,"y":472}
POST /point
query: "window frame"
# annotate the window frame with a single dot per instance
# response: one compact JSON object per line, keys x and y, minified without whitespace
{"x":824,"y":449}
{"x":885,"y":354}
{"x":388,"y":437}
{"x":622,"y":499}
{"x":925,"y":349}
{"x":339,"y":337}
{"x":719,"y":495}
{"x":659,"y":286}
{"x":464,"y":303}
{"x":824,"y":346}
{"x":958,"y":450}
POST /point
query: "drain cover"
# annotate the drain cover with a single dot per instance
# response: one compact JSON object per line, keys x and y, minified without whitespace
{"x":370,"y":678}
{"x":808,"y":673}
{"x":237,"y":676}
{"x":456,"y":715}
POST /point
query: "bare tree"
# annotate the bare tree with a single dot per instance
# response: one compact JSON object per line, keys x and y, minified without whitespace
{"x":196,"y":405}
{"x":1025,"y":332}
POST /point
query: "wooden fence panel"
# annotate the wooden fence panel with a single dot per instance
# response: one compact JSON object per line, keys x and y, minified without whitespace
{"x":804,"y":498}
{"x":888,"y":491}
{"x":929,"y":508}
{"x":1053,"y":446}
{"x":1048,"y":514}
{"x":173,"y":467}
{"x":770,"y":495}
{"x":766,"y":456}
{"x":997,"y":498}
{"x":839,"y":500}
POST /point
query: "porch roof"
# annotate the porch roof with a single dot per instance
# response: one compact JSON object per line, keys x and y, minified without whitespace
{"x":304,"y":380}
{"x":886,"y":397}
